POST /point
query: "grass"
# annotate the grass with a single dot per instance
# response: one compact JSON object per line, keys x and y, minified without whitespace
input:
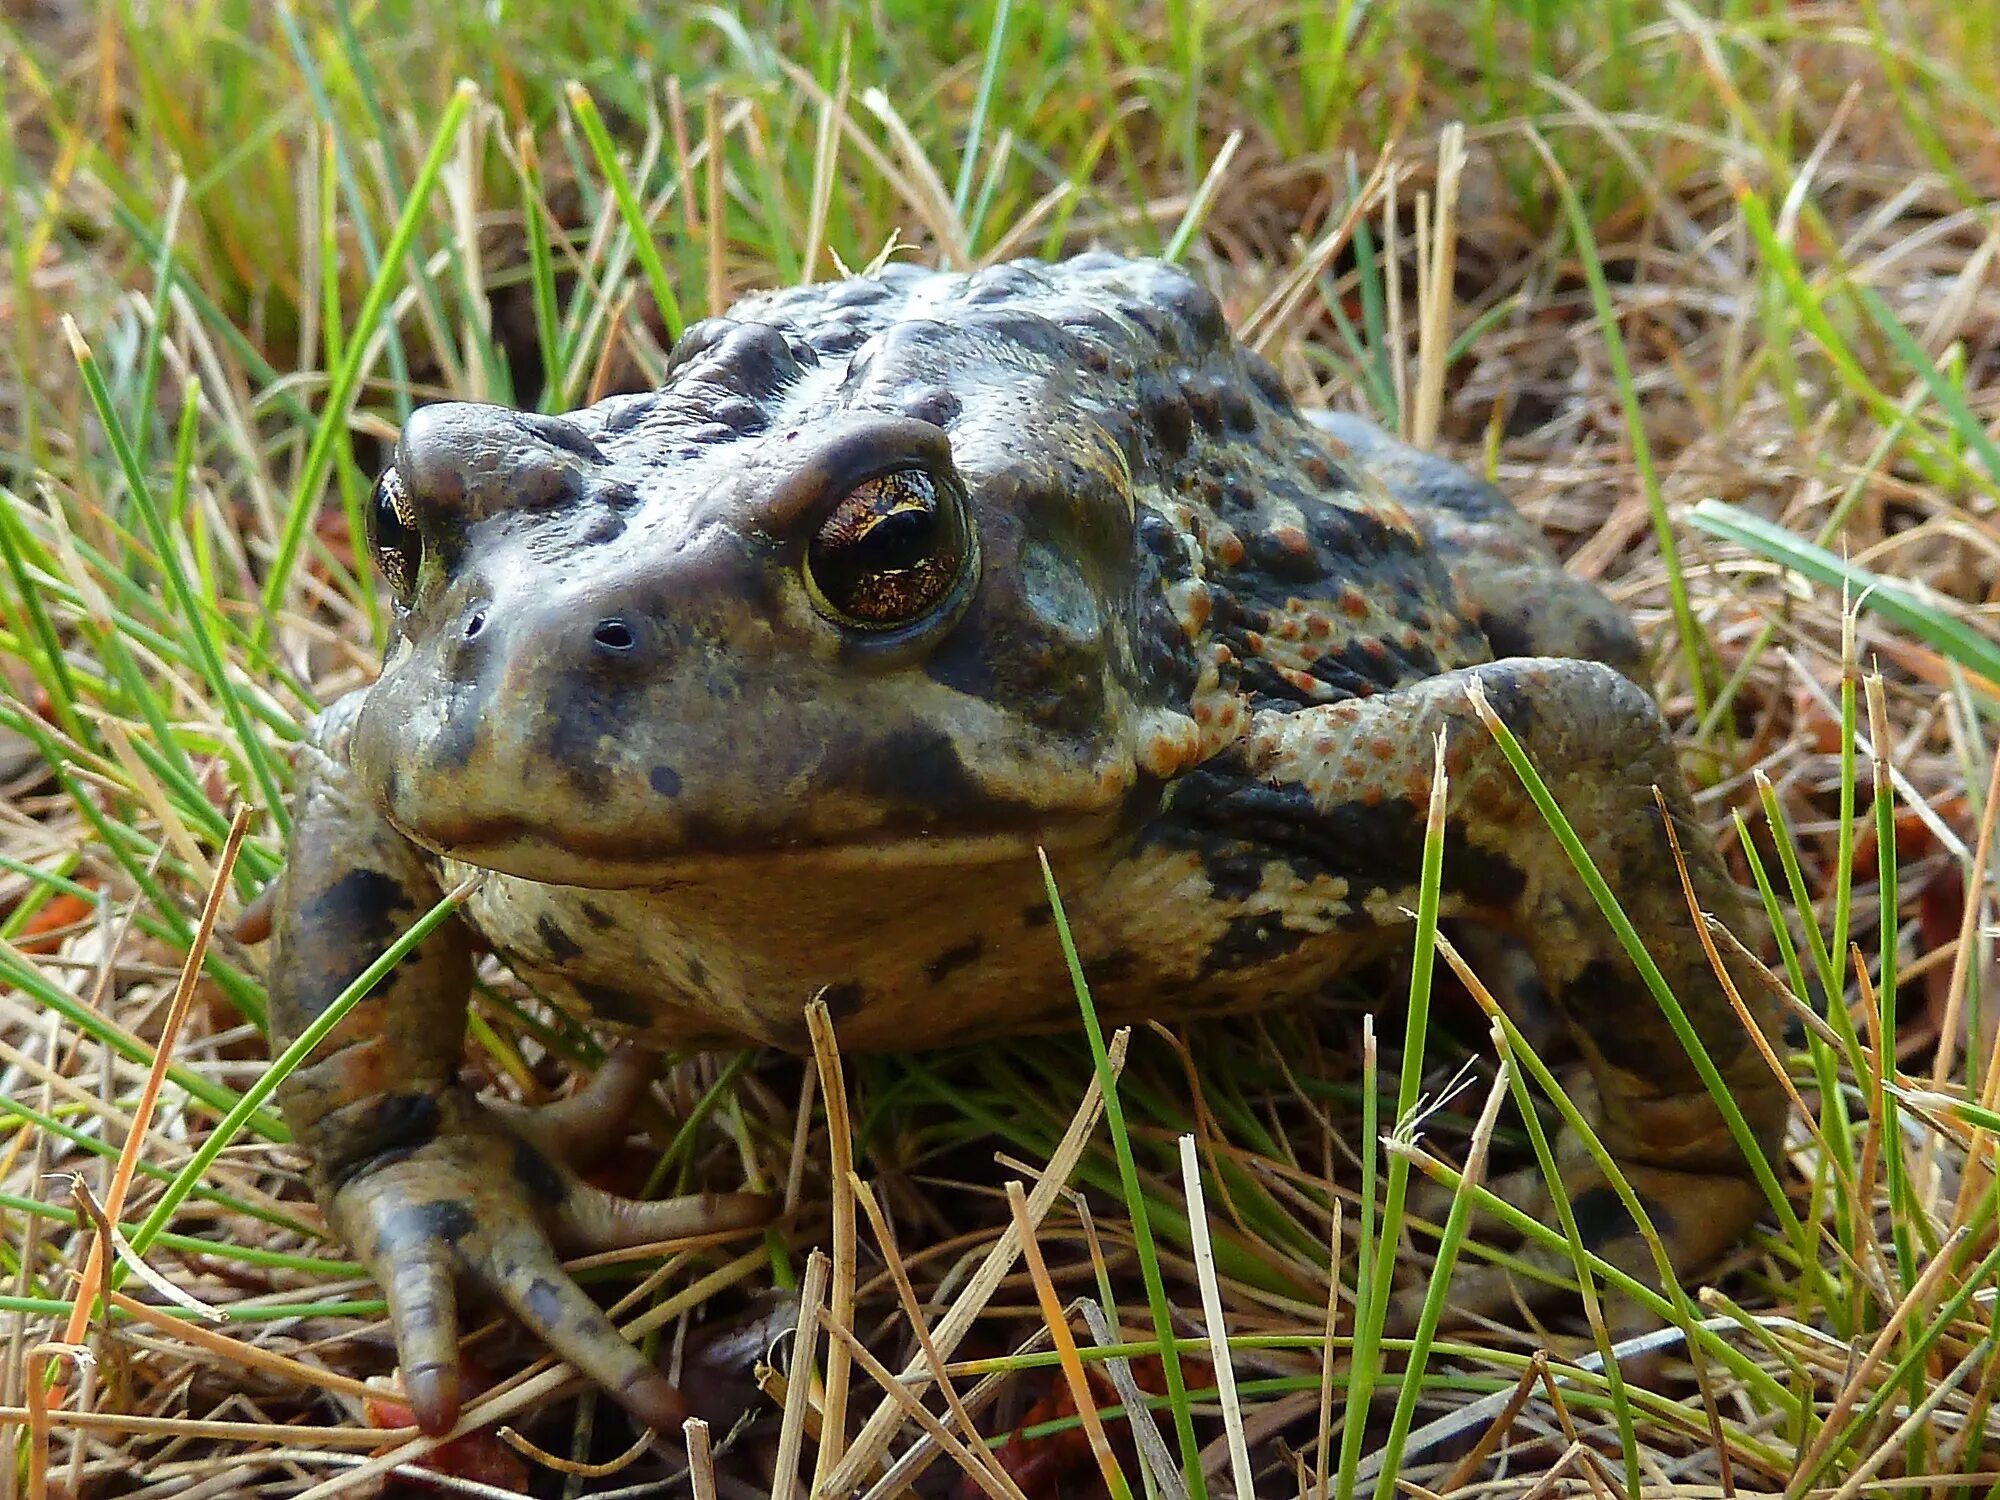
{"x":1713,"y":295}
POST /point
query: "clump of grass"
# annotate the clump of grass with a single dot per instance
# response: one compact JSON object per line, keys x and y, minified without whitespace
{"x":1711,"y":292}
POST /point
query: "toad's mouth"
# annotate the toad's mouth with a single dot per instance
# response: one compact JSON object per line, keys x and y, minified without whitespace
{"x":578,"y":859}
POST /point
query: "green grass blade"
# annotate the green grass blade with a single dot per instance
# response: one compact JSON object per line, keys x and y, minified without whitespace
{"x":1136,"y":1202}
{"x":1689,"y":630}
{"x":1967,"y":645}
{"x":975,"y":129}
{"x":225,"y":1131}
{"x":250,"y":745}
{"x":331,"y":427}
{"x":584,"y":108}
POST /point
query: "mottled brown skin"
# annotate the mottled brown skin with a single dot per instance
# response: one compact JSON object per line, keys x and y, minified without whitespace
{"x":720,"y":751}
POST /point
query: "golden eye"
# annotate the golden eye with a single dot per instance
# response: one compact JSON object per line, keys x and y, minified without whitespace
{"x":889,"y":553}
{"x":393,"y":536}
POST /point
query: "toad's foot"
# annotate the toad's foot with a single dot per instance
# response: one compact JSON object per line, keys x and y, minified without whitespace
{"x":1697,"y":1217}
{"x":1696,"y":1212}
{"x":489,"y":1198}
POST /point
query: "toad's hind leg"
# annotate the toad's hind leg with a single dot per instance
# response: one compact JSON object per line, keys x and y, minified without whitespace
{"x":1512,"y":584}
{"x":1356,"y":777}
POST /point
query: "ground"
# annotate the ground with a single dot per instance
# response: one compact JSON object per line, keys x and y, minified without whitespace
{"x":1710,"y":288}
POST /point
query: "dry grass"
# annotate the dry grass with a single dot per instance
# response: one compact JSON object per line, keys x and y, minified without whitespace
{"x":1713,"y":294}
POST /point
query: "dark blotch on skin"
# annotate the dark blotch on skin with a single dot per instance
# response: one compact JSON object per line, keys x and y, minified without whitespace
{"x":844,"y":999}
{"x":599,"y":919}
{"x":559,"y":945}
{"x":542,"y":1182}
{"x":384,"y":1130}
{"x":361,"y":909}
{"x":1234,"y":872}
{"x":613,"y":1004}
{"x":1038,"y":916}
{"x":340,"y":930}
{"x":1511,"y":700}
{"x":575,"y":719}
{"x":1601,"y":1219}
{"x":1117,"y":965}
{"x":1483,"y":876}
{"x":446,"y":1219}
{"x":665,"y":780}
{"x":1250,"y":940}
{"x":1509,"y":635}
{"x":544,"y":1303}
{"x":1663,"y":1217}
{"x":406,"y":1119}
{"x":453,"y":746}
{"x":953,"y":959}
{"x":1368,"y":845}
{"x":919,"y":768}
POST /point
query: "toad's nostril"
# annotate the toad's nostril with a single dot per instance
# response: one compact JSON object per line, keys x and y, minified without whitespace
{"x":614,"y":635}
{"x":476,"y":624}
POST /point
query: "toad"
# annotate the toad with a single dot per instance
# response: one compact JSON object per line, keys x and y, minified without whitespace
{"x":770,"y":683}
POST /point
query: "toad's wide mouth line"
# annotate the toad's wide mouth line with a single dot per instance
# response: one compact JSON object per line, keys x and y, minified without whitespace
{"x":562,"y":859}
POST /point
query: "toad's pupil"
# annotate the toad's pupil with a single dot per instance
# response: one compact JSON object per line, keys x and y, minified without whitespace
{"x":901,"y":539}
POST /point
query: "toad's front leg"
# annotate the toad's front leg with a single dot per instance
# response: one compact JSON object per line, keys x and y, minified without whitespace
{"x":417,"y":1176}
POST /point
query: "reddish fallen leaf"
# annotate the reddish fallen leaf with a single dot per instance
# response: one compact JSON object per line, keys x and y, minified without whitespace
{"x":1928,"y":666}
{"x":479,"y":1456}
{"x":1940,"y":919}
{"x":1914,"y":837}
{"x":58,"y":912}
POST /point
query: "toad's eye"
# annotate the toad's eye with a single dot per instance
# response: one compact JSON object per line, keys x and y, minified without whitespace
{"x":889,"y":553}
{"x":393,"y":534}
